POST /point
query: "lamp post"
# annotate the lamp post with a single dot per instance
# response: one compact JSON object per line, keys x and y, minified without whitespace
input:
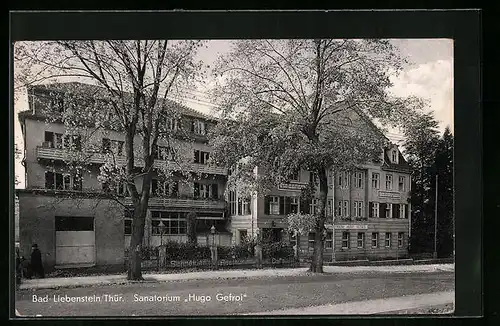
{"x":212,"y":231}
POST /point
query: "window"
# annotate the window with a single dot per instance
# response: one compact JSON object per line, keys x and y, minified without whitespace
{"x":329,"y":240}
{"x":60,"y":181}
{"x":402,"y":183}
{"x":403,"y":213}
{"x":311,"y":239}
{"x":394,"y":156}
{"x":339,"y":208}
{"x":57,"y":140}
{"x":164,"y":189}
{"x":358,"y":179}
{"x":374,"y":209}
{"x":243,"y":207}
{"x":361,"y":240}
{"x":243,"y":236}
{"x":345,"y":240}
{"x":343,"y":179}
{"x":400,"y":239}
{"x":232,"y":202}
{"x":345,"y":208}
{"x":374,"y":240}
{"x":127,"y":226}
{"x":314,"y":206}
{"x":202,"y":190}
{"x":389,"y":210}
{"x":358,"y":209}
{"x":198,"y":127}
{"x":274,"y":205}
{"x":106,"y":145}
{"x":375,"y":180}
{"x":295,"y":176}
{"x":164,"y":153}
{"x":294,"y":205}
{"x":201,"y":157}
{"x":388,"y":237}
{"x":293,"y":240}
{"x":173,"y":124}
{"x":388,"y":181}
{"x":167,"y":223}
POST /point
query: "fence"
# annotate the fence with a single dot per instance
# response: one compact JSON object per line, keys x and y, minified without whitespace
{"x":226,"y":258}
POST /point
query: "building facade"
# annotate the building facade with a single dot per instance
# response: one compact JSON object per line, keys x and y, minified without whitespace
{"x":64,"y":211}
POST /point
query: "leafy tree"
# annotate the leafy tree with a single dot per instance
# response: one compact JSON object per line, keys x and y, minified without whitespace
{"x":287,"y":105}
{"x":444,"y":169}
{"x":422,"y":139}
{"x":134,"y":79}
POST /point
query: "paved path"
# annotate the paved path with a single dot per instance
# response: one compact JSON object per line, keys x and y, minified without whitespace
{"x":57,"y":282}
{"x":369,"y":307}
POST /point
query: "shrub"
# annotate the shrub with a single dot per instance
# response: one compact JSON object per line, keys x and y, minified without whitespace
{"x":185,"y":251}
{"x":277,"y":250}
{"x":235,"y":252}
{"x":147,"y":252}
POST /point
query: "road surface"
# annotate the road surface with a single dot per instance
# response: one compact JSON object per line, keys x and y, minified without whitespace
{"x":227,"y":297}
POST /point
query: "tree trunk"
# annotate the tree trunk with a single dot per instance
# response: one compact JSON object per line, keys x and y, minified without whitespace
{"x":319,"y":234}
{"x":135,"y":249}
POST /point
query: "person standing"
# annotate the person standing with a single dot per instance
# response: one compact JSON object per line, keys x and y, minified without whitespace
{"x":36,"y":262}
{"x":18,"y":267}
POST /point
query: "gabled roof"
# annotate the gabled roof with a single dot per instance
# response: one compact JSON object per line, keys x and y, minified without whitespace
{"x":101,"y":91}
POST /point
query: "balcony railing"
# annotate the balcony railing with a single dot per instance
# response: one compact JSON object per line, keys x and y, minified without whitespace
{"x":183,"y":203}
{"x":100,"y":158}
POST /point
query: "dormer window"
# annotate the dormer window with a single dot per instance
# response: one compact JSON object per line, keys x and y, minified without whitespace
{"x":394,"y":156}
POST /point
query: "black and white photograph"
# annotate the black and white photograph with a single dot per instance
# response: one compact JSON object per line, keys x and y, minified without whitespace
{"x":234,"y":177}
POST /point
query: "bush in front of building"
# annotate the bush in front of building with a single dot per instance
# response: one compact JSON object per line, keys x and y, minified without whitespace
{"x":147,"y":253}
{"x":277,"y":250}
{"x":241,"y":251}
{"x":185,"y":251}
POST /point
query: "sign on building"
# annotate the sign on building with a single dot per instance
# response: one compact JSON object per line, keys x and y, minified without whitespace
{"x":389,"y":194}
{"x":291,"y":186}
{"x":351,"y":227}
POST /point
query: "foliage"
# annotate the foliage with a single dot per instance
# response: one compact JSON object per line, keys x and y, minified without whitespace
{"x":234,"y":252}
{"x":300,"y":224}
{"x":430,"y":155}
{"x":129,"y":90}
{"x":290,"y":105}
{"x":185,"y":251}
{"x":277,"y":250}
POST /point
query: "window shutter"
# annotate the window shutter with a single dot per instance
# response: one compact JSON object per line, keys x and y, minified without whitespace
{"x":304,"y":206}
{"x":196,"y":189}
{"x":382,"y":211}
{"x":240,"y":206}
{"x":192,"y":125}
{"x":370,"y":209}
{"x":288,"y":205}
{"x":215,"y":191}
{"x":282,"y":205}
{"x":196,"y":156}
{"x":406,"y":211}
{"x":266,"y":205}
{"x":395,"y":211}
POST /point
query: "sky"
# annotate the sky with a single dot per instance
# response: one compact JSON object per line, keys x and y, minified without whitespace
{"x":429,"y":75}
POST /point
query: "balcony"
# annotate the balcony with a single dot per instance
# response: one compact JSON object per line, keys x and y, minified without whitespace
{"x":183,"y":203}
{"x":45,"y":152}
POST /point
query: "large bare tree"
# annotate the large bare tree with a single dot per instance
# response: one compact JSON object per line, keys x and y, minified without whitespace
{"x":287,"y":105}
{"x":136,"y":81}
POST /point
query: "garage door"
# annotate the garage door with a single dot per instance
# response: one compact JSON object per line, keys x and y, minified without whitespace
{"x":75,"y":241}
